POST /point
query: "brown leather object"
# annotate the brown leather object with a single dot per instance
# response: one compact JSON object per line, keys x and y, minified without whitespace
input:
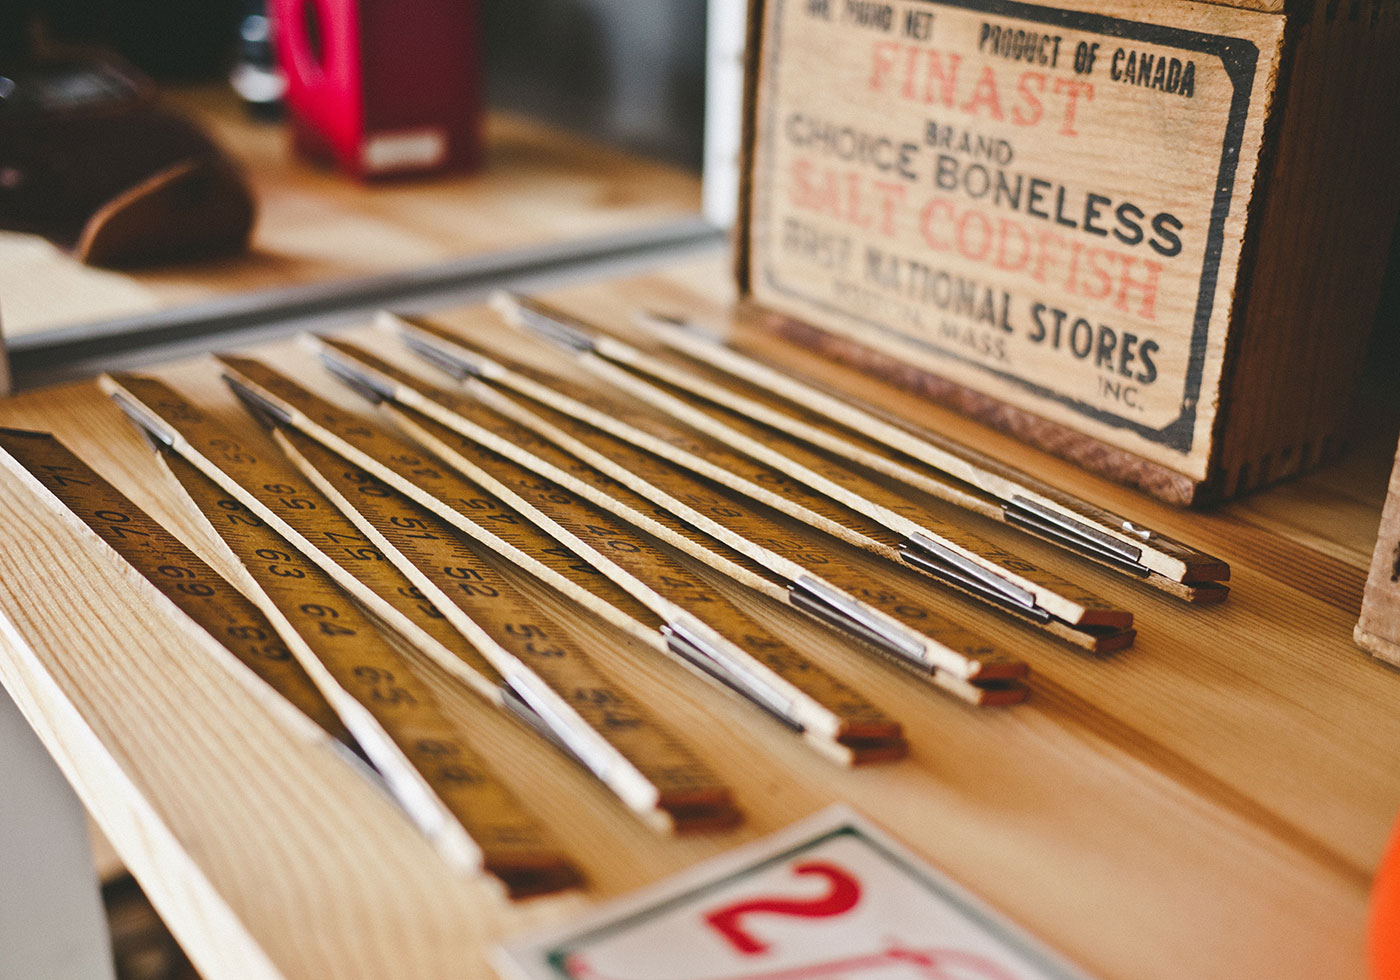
{"x":115,"y":177}
{"x":193,"y":209}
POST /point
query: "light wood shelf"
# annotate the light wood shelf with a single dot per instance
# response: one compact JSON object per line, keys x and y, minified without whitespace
{"x":1210,"y":803}
{"x":540,"y":186}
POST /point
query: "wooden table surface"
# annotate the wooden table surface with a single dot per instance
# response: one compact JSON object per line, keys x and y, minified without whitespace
{"x":1210,"y":803}
{"x":539,"y":186}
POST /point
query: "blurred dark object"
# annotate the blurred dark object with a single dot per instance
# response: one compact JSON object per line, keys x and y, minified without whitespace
{"x":383,"y":88}
{"x":631,"y":74}
{"x":1384,"y":361}
{"x":15,"y":28}
{"x":256,"y":76}
{"x":142,"y":947}
{"x":91,"y":162}
{"x":170,"y":40}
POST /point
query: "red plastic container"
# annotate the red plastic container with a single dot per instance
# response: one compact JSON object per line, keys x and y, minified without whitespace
{"x":383,"y":88}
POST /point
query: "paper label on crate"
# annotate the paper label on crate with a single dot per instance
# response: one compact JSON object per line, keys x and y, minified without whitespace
{"x":831,"y":898}
{"x":1041,"y":203}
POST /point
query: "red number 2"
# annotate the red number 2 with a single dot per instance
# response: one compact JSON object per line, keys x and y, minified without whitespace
{"x":842,"y":895}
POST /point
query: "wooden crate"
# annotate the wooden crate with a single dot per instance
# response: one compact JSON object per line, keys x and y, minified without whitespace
{"x":1378,"y":629}
{"x":1148,"y":236}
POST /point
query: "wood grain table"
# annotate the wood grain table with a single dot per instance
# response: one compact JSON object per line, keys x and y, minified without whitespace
{"x":1210,"y":803}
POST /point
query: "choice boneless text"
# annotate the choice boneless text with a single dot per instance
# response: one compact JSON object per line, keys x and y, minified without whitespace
{"x":945,"y":234}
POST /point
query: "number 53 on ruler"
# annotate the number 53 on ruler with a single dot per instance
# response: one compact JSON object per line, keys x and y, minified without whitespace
{"x":831,"y":898}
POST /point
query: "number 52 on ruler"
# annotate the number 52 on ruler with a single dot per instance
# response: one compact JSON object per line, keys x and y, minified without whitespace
{"x":831,"y":898}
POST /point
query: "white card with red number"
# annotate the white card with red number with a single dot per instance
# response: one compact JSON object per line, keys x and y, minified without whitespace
{"x":830,"y":898}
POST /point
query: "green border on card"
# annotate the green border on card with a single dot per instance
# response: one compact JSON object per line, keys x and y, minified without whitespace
{"x":1004,"y":932}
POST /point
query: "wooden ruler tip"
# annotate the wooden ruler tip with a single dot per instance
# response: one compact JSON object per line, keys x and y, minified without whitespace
{"x":443,"y":349}
{"x":392,"y":321}
{"x":1207,"y":571}
{"x":531,"y":881}
{"x":1206,"y":593}
{"x":268,"y":413}
{"x":110,"y":381}
{"x":1112,"y":641}
{"x":870,"y":750}
{"x":998,"y":668}
{"x":507,"y":305}
{"x":548,"y":323}
{"x":156,"y":433}
{"x":1106,"y":618}
{"x":983,"y":694}
{"x":342,"y":358}
{"x":701,"y":817}
{"x":659,"y":324}
{"x":395,"y":321}
{"x":313,"y":342}
{"x":347,"y":364}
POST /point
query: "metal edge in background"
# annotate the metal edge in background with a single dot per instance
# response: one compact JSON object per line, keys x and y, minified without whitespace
{"x":77,"y":352}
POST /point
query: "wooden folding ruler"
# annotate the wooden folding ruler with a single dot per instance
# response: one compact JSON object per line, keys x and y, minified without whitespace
{"x":72,"y":488}
{"x":764,"y":476}
{"x":938,"y":548}
{"x":694,"y":622}
{"x":677,"y":508}
{"x":921,"y":459}
{"x":304,"y":637}
{"x":554,"y":686}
